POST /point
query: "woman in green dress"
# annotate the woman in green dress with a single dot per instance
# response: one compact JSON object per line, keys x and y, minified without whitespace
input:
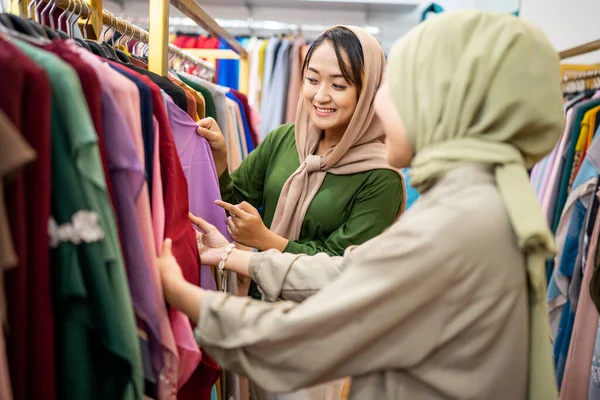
{"x":322,"y":184}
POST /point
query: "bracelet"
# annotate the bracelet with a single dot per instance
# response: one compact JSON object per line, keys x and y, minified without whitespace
{"x":224,"y":256}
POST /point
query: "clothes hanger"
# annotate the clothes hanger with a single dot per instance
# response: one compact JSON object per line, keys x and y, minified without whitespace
{"x":50,"y":32}
{"x":17,"y":27}
{"x":121,"y":55}
{"x":108,"y":50}
{"x":73,"y":22}
{"x":82,"y":42}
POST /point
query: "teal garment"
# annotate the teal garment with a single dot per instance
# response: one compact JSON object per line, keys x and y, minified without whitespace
{"x":563,"y":184}
{"x":412,"y":194}
{"x":87,"y":340}
{"x":213,"y":393}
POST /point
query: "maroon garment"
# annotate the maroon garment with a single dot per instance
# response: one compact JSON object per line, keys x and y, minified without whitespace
{"x":91,"y":90}
{"x":26,"y":99}
{"x":241,"y":97}
{"x":180,"y":230}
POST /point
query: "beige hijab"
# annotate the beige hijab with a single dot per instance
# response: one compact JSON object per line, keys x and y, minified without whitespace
{"x":476,"y":87}
{"x":361,"y":148}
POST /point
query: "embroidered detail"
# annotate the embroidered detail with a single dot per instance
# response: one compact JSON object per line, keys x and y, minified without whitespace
{"x":83,"y":227}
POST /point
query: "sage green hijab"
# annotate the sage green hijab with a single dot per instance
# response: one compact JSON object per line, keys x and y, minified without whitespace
{"x":478,"y":87}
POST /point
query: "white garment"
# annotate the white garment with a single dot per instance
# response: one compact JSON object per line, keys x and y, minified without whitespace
{"x":265,"y":103}
{"x":254,"y":79}
{"x":276,"y":97}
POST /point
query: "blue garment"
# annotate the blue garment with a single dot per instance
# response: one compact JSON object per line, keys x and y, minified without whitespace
{"x":567,"y":268}
{"x":229,"y":71}
{"x":411,"y":193}
{"x":247,"y":131}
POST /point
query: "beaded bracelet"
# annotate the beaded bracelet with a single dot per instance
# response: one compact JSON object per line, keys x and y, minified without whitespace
{"x":224,"y":256}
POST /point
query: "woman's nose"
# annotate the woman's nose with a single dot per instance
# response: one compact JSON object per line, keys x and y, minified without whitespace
{"x":322,"y":95}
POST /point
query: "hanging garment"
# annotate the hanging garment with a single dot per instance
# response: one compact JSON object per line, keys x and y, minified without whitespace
{"x":250,"y":127}
{"x":295,"y":81}
{"x":210,"y":108}
{"x":14,"y":154}
{"x":178,"y":228}
{"x":266,"y":103}
{"x":562,"y":184}
{"x":25,"y":100}
{"x":246,"y":129}
{"x":274,"y":106}
{"x":238,"y":136}
{"x":579,"y":359}
{"x":146,"y":111}
{"x":254,"y":77}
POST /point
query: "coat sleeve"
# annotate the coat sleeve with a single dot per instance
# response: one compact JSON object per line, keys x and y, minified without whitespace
{"x":293,"y":277}
{"x":385,"y":311}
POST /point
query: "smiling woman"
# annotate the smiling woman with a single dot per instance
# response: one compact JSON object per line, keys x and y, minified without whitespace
{"x":323,"y":183}
{"x":332,"y":83}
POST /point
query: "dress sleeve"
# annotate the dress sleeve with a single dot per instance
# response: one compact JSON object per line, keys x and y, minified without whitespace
{"x":247,"y":181}
{"x":375,"y":208}
{"x":377,"y":315}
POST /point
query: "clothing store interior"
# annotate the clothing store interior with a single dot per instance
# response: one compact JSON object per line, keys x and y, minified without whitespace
{"x":299,"y":199}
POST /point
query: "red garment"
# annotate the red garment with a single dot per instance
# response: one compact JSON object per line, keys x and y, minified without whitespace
{"x":91,"y":90}
{"x":241,"y":97}
{"x":180,"y":230}
{"x":189,"y":42}
{"x":179,"y":41}
{"x":26,"y":99}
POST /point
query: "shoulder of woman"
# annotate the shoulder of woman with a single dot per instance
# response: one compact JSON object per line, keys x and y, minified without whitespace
{"x":383,"y":176}
{"x":283,"y":133}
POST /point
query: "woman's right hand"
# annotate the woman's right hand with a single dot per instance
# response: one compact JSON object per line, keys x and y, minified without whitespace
{"x":209,"y":129}
{"x":211,"y":243}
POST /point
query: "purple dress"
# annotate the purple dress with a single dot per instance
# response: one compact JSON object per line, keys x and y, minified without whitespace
{"x":199,"y":169}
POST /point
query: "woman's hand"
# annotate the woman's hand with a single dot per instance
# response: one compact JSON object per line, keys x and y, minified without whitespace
{"x":169,"y":269}
{"x":208,"y":129}
{"x":247,"y":228}
{"x":211,"y":243}
{"x":178,"y":292}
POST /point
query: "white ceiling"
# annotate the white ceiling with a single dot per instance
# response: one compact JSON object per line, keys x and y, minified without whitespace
{"x":394,"y":6}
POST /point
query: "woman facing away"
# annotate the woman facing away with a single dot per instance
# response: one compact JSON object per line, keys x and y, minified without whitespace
{"x":449,"y":302}
{"x":323,"y":183}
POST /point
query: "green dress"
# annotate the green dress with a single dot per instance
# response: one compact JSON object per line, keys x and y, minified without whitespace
{"x":347,"y":210}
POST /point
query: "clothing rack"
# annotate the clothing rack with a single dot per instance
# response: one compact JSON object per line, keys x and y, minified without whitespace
{"x":159,"y":31}
{"x":585,"y":75}
{"x":579,"y":81}
{"x":126,"y":28}
{"x":579,"y":50}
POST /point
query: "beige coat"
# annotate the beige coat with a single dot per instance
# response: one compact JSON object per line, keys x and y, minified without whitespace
{"x":434,"y":308}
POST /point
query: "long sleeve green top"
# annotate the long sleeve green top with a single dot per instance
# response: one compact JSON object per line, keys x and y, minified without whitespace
{"x":347,"y":210}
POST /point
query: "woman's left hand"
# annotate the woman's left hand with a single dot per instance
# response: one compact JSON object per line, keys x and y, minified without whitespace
{"x":245,"y":225}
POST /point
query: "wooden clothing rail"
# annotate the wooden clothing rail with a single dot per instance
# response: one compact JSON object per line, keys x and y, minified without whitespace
{"x":579,"y":50}
{"x":159,"y":30}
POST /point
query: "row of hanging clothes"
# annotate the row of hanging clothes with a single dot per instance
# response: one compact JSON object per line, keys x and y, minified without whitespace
{"x":99,"y":162}
{"x":273,"y":78}
{"x":567,"y":186}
